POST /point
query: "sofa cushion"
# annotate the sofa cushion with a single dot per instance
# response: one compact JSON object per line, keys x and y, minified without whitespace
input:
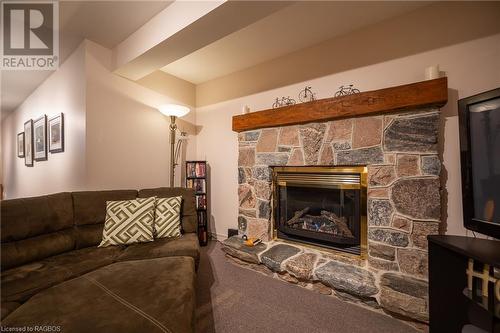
{"x":90,"y":209}
{"x":186,"y":245}
{"x":188,"y":209}
{"x":8,"y":307}
{"x":155,"y":295}
{"x":128,"y":222}
{"x":90,"y":206}
{"x":88,"y":235}
{"x":29,"y":217}
{"x":20,"y":283}
{"x":35,"y":228}
{"x":36,"y":248}
{"x":168,"y":217}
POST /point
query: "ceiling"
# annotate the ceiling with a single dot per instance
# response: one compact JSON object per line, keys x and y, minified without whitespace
{"x":290,"y":29}
{"x":104,"y":22}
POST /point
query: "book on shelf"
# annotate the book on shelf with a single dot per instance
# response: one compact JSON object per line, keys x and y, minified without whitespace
{"x":196,"y":169}
{"x":199,"y":185}
{"x":202,"y":218}
{"x":202,"y":235}
{"x":200,"y":169}
{"x":201,"y":201}
{"x":190,"y":170}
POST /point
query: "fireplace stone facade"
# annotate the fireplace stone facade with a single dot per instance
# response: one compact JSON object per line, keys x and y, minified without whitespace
{"x":401,"y":153}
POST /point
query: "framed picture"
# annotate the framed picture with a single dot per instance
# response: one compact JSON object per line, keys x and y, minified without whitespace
{"x":40,"y":138}
{"x":28,"y":143}
{"x":20,"y":145}
{"x":56,"y":134}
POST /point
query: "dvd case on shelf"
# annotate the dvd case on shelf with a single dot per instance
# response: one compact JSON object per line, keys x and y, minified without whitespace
{"x":201,"y":201}
{"x":199,"y":185}
{"x":196,"y":170}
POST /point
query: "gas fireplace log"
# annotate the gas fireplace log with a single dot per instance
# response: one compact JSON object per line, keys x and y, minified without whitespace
{"x":339,"y":222}
{"x":314,"y":222}
{"x":297,"y":215}
{"x":331,"y":216}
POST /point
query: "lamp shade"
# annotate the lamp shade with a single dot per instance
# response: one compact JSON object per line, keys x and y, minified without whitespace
{"x":174,"y":110}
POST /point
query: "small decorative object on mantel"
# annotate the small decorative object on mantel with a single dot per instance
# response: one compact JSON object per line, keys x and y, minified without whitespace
{"x":40,"y":136}
{"x":432,"y":72}
{"x":56,"y":134}
{"x":306,"y":95}
{"x":277,"y":103}
{"x":20,"y":145}
{"x":284,"y":101}
{"x":346,"y":90}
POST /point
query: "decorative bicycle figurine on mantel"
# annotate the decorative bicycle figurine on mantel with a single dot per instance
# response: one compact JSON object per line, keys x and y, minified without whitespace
{"x":284,"y":101}
{"x":346,"y":90}
{"x":306,"y":95}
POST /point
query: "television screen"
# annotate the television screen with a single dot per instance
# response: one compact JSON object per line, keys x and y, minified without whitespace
{"x":485,"y":153}
{"x":479,"y":118}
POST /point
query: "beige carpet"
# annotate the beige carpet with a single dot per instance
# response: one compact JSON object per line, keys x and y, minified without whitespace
{"x":233,"y":299}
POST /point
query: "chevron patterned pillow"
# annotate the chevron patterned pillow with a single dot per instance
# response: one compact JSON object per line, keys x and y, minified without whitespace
{"x":168,"y":217}
{"x":128,"y":221}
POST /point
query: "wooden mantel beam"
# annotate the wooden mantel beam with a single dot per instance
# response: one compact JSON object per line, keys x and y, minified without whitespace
{"x":431,"y":93}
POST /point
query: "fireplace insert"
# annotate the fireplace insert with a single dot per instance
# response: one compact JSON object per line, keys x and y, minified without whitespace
{"x":324,"y":206}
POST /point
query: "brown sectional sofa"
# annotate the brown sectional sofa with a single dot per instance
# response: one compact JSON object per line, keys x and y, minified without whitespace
{"x":53,"y":273}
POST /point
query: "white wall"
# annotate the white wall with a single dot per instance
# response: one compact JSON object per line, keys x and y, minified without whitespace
{"x":472,"y":67}
{"x":127,"y":137}
{"x":114,"y":135}
{"x":63,"y":91}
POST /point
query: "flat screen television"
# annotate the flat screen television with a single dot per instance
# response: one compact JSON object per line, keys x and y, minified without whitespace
{"x":479,"y":120}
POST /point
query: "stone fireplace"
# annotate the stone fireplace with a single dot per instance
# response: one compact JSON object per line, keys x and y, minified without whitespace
{"x":324,"y":206}
{"x":400,"y":153}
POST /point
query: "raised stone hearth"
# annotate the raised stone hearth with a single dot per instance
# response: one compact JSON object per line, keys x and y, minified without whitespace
{"x":403,"y":206}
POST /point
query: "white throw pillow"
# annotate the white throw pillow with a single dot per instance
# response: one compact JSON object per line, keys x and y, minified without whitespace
{"x":168,"y":217}
{"x":128,"y":222}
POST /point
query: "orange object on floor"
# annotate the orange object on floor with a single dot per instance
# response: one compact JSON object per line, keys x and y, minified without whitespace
{"x":252,"y":241}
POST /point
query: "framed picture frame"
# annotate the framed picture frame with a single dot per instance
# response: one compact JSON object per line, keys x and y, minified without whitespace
{"x":20,"y":145}
{"x":56,"y":134}
{"x":28,"y":143}
{"x":40,"y":138}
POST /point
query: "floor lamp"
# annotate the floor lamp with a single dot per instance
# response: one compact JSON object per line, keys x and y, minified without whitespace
{"x":173,"y":111}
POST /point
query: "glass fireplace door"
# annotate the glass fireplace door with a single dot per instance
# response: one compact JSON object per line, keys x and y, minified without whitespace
{"x":325,"y":209}
{"x":324,"y":213}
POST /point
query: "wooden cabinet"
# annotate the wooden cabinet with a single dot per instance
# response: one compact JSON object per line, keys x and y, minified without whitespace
{"x":451,"y":304}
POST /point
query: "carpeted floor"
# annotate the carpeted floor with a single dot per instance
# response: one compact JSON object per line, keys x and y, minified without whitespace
{"x":233,"y":299}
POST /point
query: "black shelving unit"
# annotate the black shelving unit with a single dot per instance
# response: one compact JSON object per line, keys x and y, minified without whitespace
{"x":196,"y":178}
{"x":451,"y":304}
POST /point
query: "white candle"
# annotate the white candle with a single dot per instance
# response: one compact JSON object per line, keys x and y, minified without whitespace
{"x":432,"y":72}
{"x":245,"y":109}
